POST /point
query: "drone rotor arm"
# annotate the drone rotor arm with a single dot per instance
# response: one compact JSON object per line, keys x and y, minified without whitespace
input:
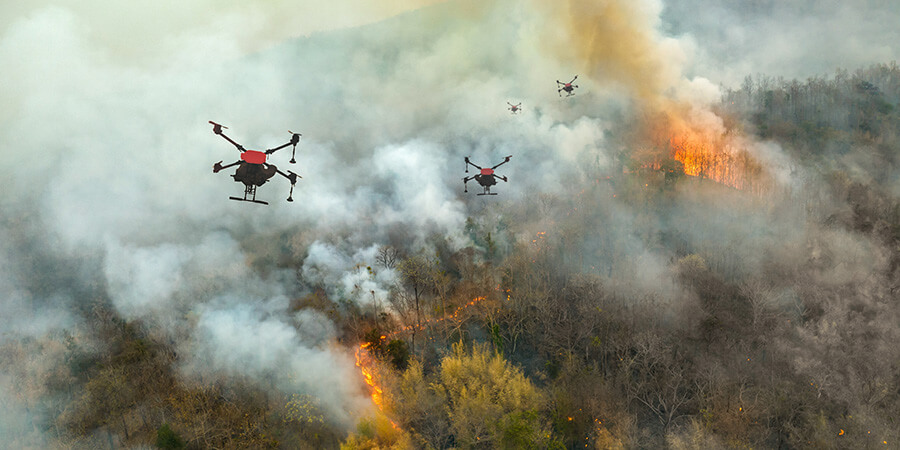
{"x":273,"y":150}
{"x":238,"y":146}
{"x":292,"y":177}
{"x":218,"y":166}
{"x":505,"y":160}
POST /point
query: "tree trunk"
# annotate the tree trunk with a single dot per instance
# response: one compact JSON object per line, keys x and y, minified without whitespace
{"x":124,"y":426}
{"x":418,"y":318}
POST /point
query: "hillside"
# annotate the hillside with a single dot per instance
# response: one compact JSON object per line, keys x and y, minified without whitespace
{"x":675,"y":261}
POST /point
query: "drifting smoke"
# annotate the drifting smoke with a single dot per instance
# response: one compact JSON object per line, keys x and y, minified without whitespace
{"x":618,"y":42}
{"x":799,"y":39}
{"x":109,"y":190}
{"x":112,"y":186}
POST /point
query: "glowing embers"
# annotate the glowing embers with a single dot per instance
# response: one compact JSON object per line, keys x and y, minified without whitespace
{"x":454,"y":315}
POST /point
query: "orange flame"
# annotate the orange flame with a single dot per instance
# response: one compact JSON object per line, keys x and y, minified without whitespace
{"x":377,"y":392}
{"x":673,"y":136}
{"x":710,"y":149}
{"x":363,"y":361}
{"x":703,"y":157}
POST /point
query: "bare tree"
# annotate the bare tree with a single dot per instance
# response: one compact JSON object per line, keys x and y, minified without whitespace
{"x":387,"y":256}
{"x":416,"y":271}
{"x":655,"y":375}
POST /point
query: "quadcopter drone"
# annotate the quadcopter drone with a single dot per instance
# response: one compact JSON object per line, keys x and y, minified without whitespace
{"x":253,"y":170}
{"x":486,"y":178}
{"x":514,"y":108}
{"x":568,"y":87}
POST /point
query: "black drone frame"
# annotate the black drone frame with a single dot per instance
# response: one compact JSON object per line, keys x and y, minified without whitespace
{"x":250,"y":189}
{"x":486,"y":178}
{"x":569,"y":85}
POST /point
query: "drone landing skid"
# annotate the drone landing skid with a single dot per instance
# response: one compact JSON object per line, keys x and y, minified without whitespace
{"x":251,"y":191}
{"x":249,"y":200}
{"x":487,"y":191}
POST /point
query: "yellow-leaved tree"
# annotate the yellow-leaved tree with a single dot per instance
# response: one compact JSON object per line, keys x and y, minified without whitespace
{"x":475,"y":399}
{"x":481,"y":401}
{"x":489,"y":402}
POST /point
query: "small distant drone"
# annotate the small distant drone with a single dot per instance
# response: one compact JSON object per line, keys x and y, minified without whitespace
{"x":514,"y":108}
{"x":253,"y":170}
{"x":568,"y":87}
{"x":486,"y":178}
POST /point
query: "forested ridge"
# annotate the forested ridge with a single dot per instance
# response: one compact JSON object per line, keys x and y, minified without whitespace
{"x":689,"y":315}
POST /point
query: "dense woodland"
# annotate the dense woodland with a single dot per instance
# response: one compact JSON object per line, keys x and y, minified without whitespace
{"x":691,"y":315}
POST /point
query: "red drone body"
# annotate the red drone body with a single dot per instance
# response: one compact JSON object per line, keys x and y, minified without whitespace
{"x":253,"y":157}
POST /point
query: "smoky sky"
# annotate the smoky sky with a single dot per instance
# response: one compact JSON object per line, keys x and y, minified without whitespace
{"x":798,"y":39}
{"x":108,"y":154}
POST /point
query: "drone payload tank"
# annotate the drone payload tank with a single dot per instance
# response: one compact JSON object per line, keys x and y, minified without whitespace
{"x":253,"y":157}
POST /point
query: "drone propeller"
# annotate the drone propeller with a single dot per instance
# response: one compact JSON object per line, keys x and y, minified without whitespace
{"x":295,"y":138}
{"x":293,"y":177}
{"x":217,"y":128}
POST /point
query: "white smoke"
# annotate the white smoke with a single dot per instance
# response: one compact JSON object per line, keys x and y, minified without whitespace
{"x":252,"y":338}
